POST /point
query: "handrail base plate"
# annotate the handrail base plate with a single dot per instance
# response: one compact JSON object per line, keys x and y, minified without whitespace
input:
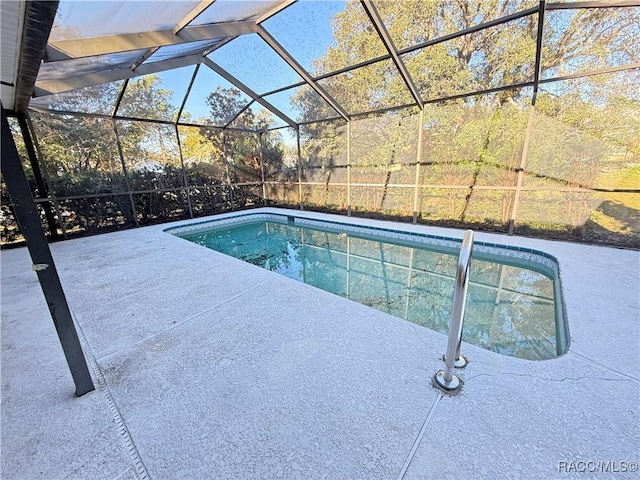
{"x":450,"y":387}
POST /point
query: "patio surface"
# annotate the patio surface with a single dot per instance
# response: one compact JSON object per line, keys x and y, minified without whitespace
{"x":209,"y":367}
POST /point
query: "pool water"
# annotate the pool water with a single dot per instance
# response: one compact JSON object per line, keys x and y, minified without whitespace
{"x":510,"y":309}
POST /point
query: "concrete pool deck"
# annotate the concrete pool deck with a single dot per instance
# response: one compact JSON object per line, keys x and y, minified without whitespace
{"x":209,"y":367}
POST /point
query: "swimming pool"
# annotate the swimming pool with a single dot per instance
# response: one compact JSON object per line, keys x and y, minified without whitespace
{"x":514,"y":304}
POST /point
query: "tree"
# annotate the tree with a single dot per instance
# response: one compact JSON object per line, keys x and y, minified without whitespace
{"x":81,"y":153}
{"x":195,"y":146}
{"x":242,"y":149}
{"x":478,"y":140}
{"x":73,"y":144}
{"x":501,"y":55}
{"x":145,"y":98}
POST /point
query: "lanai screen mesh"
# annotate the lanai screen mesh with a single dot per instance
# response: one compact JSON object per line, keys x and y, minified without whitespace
{"x":507,"y":116}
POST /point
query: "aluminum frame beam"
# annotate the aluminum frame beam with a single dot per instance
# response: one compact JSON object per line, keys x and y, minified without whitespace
{"x":119,"y":98}
{"x":144,"y":120}
{"x":277,"y":9}
{"x":292,"y":62}
{"x":29,"y":220}
{"x":125,"y":172}
{"x":188,"y":18}
{"x":88,"y":47}
{"x":192,"y":15}
{"x":521,"y":170}
{"x":384,"y":35}
{"x":185,"y":179}
{"x":186,"y":94}
{"x":539,"y":43}
{"x":591,"y":73}
{"x":231,"y":79}
{"x":53,"y":86}
{"x":242,"y":110}
{"x":473,"y":29}
{"x":143,"y":58}
{"x":594,"y":4}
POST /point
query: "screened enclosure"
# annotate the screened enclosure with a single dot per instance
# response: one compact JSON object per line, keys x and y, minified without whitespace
{"x":520,"y":117}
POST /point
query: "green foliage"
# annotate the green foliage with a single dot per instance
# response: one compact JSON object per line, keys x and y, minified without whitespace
{"x":75,"y":143}
{"x":583,"y":132}
{"x":582,"y":129}
{"x":241,"y":151}
{"x":196,"y":147}
{"x":144,"y":98}
{"x":9,"y":231}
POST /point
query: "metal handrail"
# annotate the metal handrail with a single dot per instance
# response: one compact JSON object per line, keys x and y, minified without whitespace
{"x":452,"y":358}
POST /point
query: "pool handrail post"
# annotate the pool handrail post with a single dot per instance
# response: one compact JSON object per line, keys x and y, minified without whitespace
{"x":452,"y":358}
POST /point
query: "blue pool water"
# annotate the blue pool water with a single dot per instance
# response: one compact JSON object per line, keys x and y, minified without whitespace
{"x":512,"y":307}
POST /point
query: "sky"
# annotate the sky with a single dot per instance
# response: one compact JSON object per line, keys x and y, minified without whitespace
{"x":304,"y":29}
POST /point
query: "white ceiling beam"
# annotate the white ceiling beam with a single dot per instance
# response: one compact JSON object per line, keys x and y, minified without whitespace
{"x":88,"y":47}
{"x":59,"y":85}
{"x":12,"y":17}
{"x":277,"y":9}
{"x":192,"y":15}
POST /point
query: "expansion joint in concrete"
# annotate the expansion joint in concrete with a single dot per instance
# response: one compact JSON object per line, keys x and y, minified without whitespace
{"x":418,"y":439}
{"x":586,"y":359}
{"x":129,"y":446}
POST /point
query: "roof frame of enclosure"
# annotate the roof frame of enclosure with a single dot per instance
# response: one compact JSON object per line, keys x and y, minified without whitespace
{"x":378,"y":24}
{"x":280,"y":50}
{"x":92,"y":46}
{"x":192,"y":15}
{"x":231,"y":79}
{"x":184,"y":32}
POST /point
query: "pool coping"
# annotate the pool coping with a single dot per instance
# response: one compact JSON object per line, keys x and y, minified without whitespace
{"x":394,"y":233}
{"x":548,"y":264}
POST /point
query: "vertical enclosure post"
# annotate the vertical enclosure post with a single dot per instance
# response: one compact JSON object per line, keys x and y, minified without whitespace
{"x":521,"y":167}
{"x":126,"y":174}
{"x":264,"y":187}
{"x":525,"y":148}
{"x":37,"y":175}
{"x":349,"y":168}
{"x":30,"y":226}
{"x":184,"y":172}
{"x":416,"y":191}
{"x":226,"y":166}
{"x":41,"y":161}
{"x":299,"y":169}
